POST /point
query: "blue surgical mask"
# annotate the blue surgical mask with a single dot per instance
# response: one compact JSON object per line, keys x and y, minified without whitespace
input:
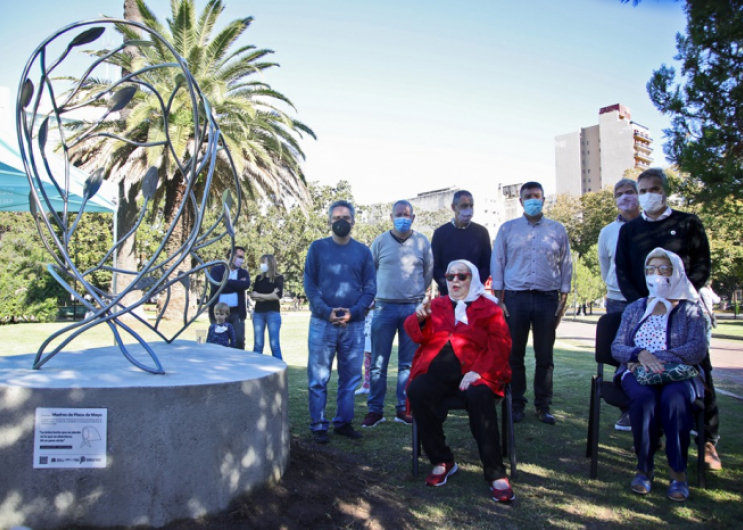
{"x":402,"y":224}
{"x":533,"y":207}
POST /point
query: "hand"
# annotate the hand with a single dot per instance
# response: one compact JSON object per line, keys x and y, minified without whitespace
{"x":340,"y":316}
{"x":632,"y":366}
{"x":423,"y":311}
{"x":503,"y":307}
{"x":650,"y":362}
{"x":255,"y":295}
{"x":560,"y":309}
{"x":468,"y":379}
{"x":276,"y":291}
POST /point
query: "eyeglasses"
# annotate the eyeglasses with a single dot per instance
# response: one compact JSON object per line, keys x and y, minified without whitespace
{"x":663,"y":270}
{"x":461,"y":276}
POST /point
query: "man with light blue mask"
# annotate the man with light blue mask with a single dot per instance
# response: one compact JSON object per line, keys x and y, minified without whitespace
{"x":532,"y":269}
{"x":404,"y":265}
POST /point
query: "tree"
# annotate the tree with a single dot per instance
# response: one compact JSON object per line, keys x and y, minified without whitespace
{"x":587,"y":283}
{"x":706,"y":134}
{"x":263,"y":139}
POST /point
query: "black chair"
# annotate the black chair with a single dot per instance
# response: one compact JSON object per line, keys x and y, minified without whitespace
{"x":507,"y":438}
{"x":606,"y":330}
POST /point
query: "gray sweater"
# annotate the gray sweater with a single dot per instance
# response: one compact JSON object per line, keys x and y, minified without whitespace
{"x":404,"y":270}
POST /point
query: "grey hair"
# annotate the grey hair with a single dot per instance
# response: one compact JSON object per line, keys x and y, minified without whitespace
{"x":406,"y":203}
{"x":344,"y":204}
{"x":655,"y":172}
{"x":625,"y":182}
{"x":458,"y":194}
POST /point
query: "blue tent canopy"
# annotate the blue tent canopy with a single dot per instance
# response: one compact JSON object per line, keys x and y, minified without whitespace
{"x":15,"y":187}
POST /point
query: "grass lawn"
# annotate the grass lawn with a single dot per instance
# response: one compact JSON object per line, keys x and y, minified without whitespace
{"x":553,"y":489}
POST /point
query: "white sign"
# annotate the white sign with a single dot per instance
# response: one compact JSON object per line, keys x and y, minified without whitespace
{"x":70,"y":438}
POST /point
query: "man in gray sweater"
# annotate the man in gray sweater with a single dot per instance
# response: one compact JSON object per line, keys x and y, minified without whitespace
{"x":404,"y":265}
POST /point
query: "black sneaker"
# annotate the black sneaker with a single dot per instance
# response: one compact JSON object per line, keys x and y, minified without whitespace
{"x":518,"y":416}
{"x":545,"y":416}
{"x":320,"y":437}
{"x":349,"y":431}
{"x":623,"y":423}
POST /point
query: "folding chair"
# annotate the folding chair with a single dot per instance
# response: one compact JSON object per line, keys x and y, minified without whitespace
{"x":507,"y":438}
{"x":606,"y":330}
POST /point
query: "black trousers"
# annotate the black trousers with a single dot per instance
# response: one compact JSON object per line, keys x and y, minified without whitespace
{"x":427,"y":393}
{"x":711,"y":410}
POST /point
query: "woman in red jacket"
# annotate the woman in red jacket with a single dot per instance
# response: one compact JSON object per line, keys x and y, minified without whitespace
{"x":464,"y":349}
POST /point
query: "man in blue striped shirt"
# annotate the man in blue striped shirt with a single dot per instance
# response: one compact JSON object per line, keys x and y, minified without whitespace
{"x":532,"y":270}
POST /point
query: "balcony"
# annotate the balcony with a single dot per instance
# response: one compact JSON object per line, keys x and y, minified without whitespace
{"x":641,"y":135}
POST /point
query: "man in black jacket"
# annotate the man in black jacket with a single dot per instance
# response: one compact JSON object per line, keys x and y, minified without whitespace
{"x":233,"y":294}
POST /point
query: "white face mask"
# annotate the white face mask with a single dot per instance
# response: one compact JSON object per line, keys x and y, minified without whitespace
{"x":651,"y":202}
{"x":264,"y":268}
{"x":238,"y":262}
{"x":658,"y":286}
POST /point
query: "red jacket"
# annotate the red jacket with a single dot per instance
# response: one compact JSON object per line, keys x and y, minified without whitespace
{"x":482,"y":346}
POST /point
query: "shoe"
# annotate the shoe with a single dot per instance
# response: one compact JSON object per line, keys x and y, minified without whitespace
{"x":622,"y":423}
{"x":546,"y":417}
{"x":372,"y":419}
{"x":439,"y":479}
{"x":502,"y":495}
{"x":711,"y":458}
{"x":401,"y":417}
{"x":361,"y":391}
{"x":641,"y":484}
{"x":348,"y":431}
{"x":518,"y":416}
{"x":320,"y":437}
{"x":678,"y":490}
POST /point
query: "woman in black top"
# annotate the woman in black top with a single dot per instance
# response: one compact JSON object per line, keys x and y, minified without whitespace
{"x":267,"y":291}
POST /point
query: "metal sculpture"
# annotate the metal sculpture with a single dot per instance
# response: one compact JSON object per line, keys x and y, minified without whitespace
{"x":167,"y":266}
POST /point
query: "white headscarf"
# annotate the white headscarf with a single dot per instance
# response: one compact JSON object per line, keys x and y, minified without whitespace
{"x":681,"y":287}
{"x":477,"y":289}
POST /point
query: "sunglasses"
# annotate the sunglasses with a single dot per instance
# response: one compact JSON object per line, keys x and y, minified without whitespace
{"x":461,"y":276}
{"x":663,"y":270}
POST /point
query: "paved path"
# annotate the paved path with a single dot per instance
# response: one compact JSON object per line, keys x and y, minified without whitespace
{"x":727,"y":355}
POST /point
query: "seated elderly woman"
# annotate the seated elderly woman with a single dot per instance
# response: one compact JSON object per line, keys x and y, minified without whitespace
{"x":660,"y":341}
{"x":464,"y":350}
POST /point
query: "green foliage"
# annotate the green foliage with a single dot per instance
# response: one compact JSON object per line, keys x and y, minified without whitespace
{"x":706,"y":134}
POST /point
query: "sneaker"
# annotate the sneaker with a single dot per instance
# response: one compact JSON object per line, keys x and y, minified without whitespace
{"x":372,"y":419}
{"x":711,"y":458}
{"x":361,"y":391}
{"x":622,"y":423}
{"x":439,"y":479}
{"x":502,"y":494}
{"x":348,"y":431}
{"x":320,"y":437}
{"x":401,"y":417}
{"x":545,"y":416}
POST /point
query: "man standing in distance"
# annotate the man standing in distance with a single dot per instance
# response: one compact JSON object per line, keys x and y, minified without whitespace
{"x":625,"y":195}
{"x":532,"y":270}
{"x":233,"y":293}
{"x":460,"y":239}
{"x":340,"y":284}
{"x":404,"y":265}
{"x":683,"y":234}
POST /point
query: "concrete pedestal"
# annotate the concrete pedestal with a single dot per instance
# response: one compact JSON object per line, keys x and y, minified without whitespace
{"x":179,"y":445}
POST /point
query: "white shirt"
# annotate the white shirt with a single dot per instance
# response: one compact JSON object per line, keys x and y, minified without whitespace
{"x":231,"y":298}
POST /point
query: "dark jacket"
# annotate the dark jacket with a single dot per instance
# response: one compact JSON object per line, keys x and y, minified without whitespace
{"x":238,"y":286}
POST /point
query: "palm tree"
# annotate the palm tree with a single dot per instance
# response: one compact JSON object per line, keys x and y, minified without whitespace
{"x":262,"y":139}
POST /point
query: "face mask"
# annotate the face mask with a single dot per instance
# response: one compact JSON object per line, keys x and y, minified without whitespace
{"x":532,"y":207}
{"x":402,"y":224}
{"x":238,"y":262}
{"x":264,"y":267}
{"x":627,"y":203}
{"x":341,"y":228}
{"x":651,"y":202}
{"x":465,"y":215}
{"x":658,"y":286}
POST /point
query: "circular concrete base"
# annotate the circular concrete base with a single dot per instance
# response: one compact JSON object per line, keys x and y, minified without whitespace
{"x":179,"y":445}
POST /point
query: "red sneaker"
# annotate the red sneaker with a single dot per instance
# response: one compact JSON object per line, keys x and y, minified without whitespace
{"x":502,"y":495}
{"x":439,"y":479}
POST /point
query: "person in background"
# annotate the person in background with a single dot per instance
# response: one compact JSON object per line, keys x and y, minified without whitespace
{"x":709,"y":300}
{"x":366,"y":383}
{"x":233,"y":293}
{"x":460,"y":239}
{"x":625,"y":196}
{"x":340,"y":283}
{"x":267,"y":292}
{"x":532,"y":270}
{"x":221,"y":332}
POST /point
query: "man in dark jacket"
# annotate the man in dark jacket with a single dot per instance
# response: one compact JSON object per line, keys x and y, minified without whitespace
{"x":233,"y":294}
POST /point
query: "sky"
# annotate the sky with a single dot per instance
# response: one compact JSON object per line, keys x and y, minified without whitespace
{"x":408,"y":96}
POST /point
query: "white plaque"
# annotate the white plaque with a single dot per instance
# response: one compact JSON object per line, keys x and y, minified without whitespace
{"x":70,"y":438}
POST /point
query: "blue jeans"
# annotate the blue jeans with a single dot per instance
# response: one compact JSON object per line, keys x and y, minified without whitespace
{"x":325,"y":340}
{"x":616,"y":306}
{"x":273,"y":319}
{"x":388,"y":320}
